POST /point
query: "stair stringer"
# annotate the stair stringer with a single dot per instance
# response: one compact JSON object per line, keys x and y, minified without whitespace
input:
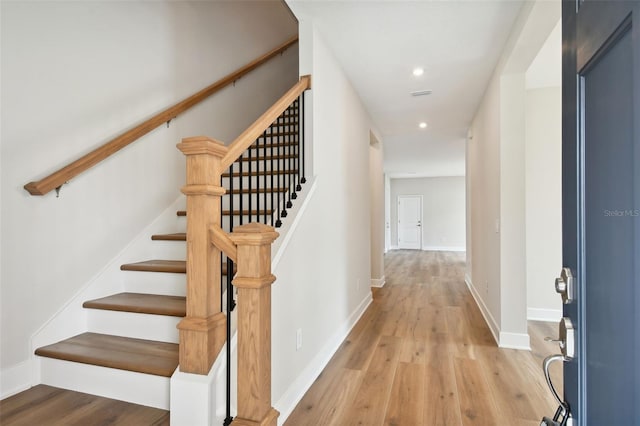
{"x":73,"y":319}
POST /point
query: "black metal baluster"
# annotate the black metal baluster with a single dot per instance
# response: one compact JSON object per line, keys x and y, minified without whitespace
{"x":287,"y":157}
{"x":240,"y":190}
{"x":272,"y":189}
{"x":302,"y":144}
{"x":297,"y":154}
{"x":264,"y":175}
{"x":282,"y":162}
{"x":276,"y":171}
{"x":292,"y":159}
{"x":250,"y":167}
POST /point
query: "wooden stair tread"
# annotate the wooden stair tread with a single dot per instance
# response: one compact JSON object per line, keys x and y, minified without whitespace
{"x":178,"y":236}
{"x":123,"y":353}
{"x":261,"y":173}
{"x":175,"y":266}
{"x":235,"y":212}
{"x":141,"y":303}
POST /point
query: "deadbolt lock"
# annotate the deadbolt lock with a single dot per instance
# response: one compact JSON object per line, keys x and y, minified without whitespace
{"x":565,"y":286}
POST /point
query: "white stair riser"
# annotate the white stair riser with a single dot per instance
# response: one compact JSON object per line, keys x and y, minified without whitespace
{"x":137,"y":388}
{"x":169,"y":284}
{"x":163,"y":249}
{"x":128,"y":324}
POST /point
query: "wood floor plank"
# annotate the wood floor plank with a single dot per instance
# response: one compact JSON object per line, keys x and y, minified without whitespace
{"x":328,"y":407}
{"x":507,"y":383}
{"x":441,"y":405}
{"x":407,"y":396}
{"x":476,"y":403}
{"x":370,"y":403}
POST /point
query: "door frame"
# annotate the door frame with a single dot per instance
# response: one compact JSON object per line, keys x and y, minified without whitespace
{"x":421,"y":198}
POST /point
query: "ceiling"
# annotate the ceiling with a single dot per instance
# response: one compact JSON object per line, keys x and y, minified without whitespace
{"x":379,"y":43}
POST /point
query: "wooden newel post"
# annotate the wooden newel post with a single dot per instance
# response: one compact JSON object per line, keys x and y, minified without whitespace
{"x":253,"y":281}
{"x":202,"y":331}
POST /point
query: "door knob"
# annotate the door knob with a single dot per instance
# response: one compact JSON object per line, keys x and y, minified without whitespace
{"x":565,"y":286}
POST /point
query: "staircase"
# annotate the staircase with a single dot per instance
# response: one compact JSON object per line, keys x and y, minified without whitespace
{"x":132,"y":347}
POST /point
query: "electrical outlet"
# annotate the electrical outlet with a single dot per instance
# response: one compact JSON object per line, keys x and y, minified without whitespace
{"x":298,"y":339}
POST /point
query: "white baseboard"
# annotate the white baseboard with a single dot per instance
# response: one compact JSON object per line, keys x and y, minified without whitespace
{"x":486,"y":314}
{"x":444,"y":248}
{"x":502,"y":338}
{"x":16,"y":378}
{"x":515,"y":341}
{"x":539,"y":314}
{"x":378,"y":282}
{"x":303,"y":382}
{"x":393,"y":248}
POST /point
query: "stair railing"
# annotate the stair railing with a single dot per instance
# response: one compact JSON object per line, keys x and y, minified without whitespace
{"x":61,"y":176}
{"x":249,"y":245}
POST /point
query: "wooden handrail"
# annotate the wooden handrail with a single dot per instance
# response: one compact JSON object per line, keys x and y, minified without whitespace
{"x":221,"y":239}
{"x":59,"y":177}
{"x":246,"y":138}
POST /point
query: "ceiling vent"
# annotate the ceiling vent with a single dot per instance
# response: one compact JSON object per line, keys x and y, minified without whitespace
{"x":421,"y":93}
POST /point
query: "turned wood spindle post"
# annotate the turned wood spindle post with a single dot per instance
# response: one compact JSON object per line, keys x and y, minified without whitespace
{"x":202,"y":331}
{"x":253,"y":281}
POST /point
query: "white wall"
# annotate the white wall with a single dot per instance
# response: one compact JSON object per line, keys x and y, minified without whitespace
{"x":543,"y":179}
{"x":74,"y":74}
{"x":443,"y":210}
{"x":323,"y":276}
{"x":544,"y":202}
{"x":387,"y":212}
{"x":497,"y":176}
{"x":376,"y":186}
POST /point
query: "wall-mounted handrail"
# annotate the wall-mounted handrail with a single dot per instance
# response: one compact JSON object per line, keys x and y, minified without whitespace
{"x":59,"y":177}
{"x":246,"y":138}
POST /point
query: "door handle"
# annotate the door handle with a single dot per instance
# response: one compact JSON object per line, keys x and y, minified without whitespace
{"x":566,"y":339}
{"x":562,"y":414}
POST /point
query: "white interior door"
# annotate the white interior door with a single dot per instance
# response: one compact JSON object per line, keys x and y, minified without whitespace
{"x":410,"y":222}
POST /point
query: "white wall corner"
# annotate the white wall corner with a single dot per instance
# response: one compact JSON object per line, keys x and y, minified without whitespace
{"x":540,"y":314}
{"x":17,"y":378}
{"x":514,"y":341}
{"x":486,"y":314}
{"x":378,"y":282}
{"x":303,"y":382}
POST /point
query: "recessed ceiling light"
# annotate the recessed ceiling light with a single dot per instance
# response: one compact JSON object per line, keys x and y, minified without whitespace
{"x":418,"y":71}
{"x":423,"y":125}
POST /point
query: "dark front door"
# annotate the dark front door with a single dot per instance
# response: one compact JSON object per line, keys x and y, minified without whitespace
{"x":601,"y":208}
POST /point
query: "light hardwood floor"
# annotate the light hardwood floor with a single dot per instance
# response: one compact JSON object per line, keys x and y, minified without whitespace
{"x":422,"y":354}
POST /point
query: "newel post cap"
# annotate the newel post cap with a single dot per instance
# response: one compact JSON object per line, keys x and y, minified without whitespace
{"x":254,"y":234}
{"x":202,"y":145}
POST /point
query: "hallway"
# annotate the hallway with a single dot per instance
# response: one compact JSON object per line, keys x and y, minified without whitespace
{"x":422,"y":354}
